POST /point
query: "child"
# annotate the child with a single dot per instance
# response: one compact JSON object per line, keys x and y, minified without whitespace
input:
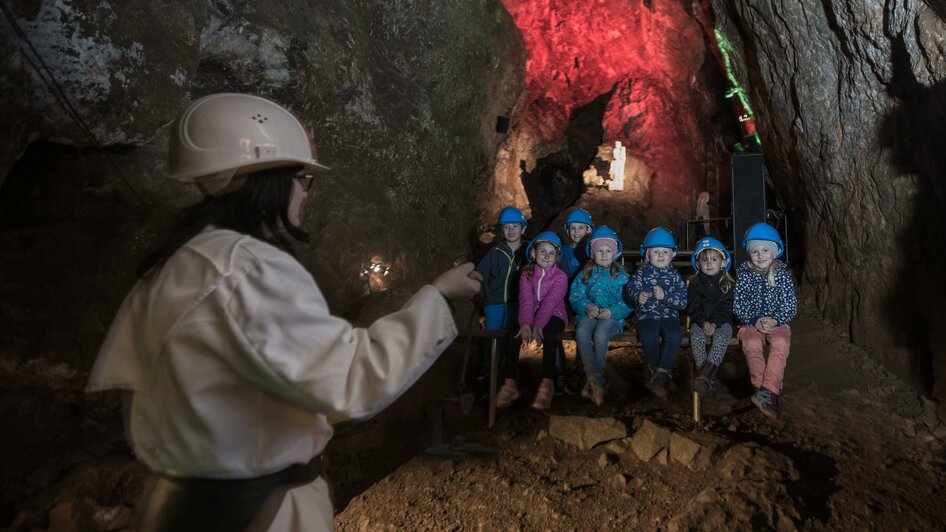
{"x":578,"y":225}
{"x":710,"y":296}
{"x":765,"y":302}
{"x":542,"y":318}
{"x":659,"y":293}
{"x":599,"y":310}
{"x":499,"y":268}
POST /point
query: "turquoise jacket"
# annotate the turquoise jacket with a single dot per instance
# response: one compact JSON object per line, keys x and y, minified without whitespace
{"x":600,"y":290}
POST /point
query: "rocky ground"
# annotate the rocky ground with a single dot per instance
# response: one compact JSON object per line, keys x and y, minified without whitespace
{"x":856,"y":449}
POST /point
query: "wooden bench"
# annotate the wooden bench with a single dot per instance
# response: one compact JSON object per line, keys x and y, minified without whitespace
{"x":568,"y":334}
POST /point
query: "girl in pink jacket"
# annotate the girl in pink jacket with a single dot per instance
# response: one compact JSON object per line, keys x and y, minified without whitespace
{"x":542,"y":317}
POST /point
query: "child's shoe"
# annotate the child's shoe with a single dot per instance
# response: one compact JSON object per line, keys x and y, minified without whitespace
{"x":560,"y":383}
{"x":574,"y":382}
{"x":543,"y":398}
{"x":768,"y":403}
{"x":661,"y":383}
{"x":705,"y":383}
{"x":593,"y":390}
{"x":507,"y":395}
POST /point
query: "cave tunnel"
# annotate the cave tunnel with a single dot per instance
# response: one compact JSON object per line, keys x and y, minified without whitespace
{"x":434,"y":116}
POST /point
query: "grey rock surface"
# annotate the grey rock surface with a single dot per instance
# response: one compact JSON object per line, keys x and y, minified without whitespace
{"x":849,"y":103}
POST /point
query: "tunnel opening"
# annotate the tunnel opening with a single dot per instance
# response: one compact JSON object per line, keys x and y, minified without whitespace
{"x":624,"y":113}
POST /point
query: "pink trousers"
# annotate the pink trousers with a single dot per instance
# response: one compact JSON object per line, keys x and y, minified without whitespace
{"x":766,"y":374}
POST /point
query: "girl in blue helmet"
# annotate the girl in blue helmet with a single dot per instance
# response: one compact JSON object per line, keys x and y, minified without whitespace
{"x":577,"y":227}
{"x":710,"y":297}
{"x":764,"y":301}
{"x":659,"y":294}
{"x":599,"y":309}
{"x":500,"y":271}
{"x":542,"y":318}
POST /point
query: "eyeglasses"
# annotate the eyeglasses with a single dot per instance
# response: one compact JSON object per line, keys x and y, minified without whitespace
{"x":307,"y":180}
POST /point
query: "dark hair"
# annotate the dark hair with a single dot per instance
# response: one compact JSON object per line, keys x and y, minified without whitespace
{"x":259,"y":208}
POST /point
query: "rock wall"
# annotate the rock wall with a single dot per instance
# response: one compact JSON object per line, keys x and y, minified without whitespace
{"x":851,"y":105}
{"x":401,"y":98}
{"x":642,"y":73}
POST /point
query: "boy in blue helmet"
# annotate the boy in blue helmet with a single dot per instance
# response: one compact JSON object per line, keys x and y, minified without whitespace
{"x":500,"y":271}
{"x":658,"y":293}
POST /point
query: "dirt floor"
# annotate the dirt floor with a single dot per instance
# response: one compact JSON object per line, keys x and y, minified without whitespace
{"x":856,"y":449}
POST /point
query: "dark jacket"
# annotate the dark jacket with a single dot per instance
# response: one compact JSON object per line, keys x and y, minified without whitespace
{"x":500,"y":271}
{"x":754,"y":298}
{"x":572,"y":259}
{"x":644,"y":280}
{"x":706,"y":302}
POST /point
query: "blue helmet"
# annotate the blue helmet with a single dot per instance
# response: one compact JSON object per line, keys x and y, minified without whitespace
{"x":579,"y":216}
{"x":604,"y":232}
{"x":547,"y":236}
{"x":511,"y":215}
{"x":658,"y":237}
{"x":763,"y":231}
{"x":711,"y":243}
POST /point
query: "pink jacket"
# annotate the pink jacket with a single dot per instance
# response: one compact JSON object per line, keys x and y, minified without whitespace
{"x":542,"y":296}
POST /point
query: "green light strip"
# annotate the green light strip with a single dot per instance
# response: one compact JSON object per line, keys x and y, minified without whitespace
{"x":735,"y":89}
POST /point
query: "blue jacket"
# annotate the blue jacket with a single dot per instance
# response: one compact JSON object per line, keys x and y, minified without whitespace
{"x":675,"y":292}
{"x":600,"y":290}
{"x":755,"y":299}
{"x":500,"y":271}
{"x":572,"y":259}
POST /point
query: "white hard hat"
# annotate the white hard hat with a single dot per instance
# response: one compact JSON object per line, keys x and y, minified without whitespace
{"x":225,"y":135}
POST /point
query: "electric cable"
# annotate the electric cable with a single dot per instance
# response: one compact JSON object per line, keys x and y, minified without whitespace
{"x":61,"y":96}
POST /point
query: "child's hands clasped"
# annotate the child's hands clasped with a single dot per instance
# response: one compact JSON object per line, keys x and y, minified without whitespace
{"x":642,"y":298}
{"x":525,"y":332}
{"x":765,"y":324}
{"x":592,"y":310}
{"x":659,"y":293}
{"x":709,"y":328}
{"x":530,"y":334}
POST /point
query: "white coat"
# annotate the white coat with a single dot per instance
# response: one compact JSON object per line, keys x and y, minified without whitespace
{"x":238,"y":370}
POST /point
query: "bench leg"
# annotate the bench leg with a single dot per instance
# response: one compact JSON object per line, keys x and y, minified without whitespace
{"x":493,"y":370}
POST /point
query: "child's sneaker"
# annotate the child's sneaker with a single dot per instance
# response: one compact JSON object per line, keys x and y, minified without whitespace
{"x":593,"y":390}
{"x":574,"y":382}
{"x":661,"y":383}
{"x":768,"y":403}
{"x":705,"y":382}
{"x":560,"y":383}
{"x":543,"y":398}
{"x":507,"y":395}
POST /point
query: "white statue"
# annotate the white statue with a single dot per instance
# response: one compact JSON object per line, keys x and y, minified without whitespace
{"x":617,"y":167}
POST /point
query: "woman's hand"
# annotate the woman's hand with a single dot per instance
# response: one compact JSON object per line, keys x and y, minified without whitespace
{"x":459,"y":283}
